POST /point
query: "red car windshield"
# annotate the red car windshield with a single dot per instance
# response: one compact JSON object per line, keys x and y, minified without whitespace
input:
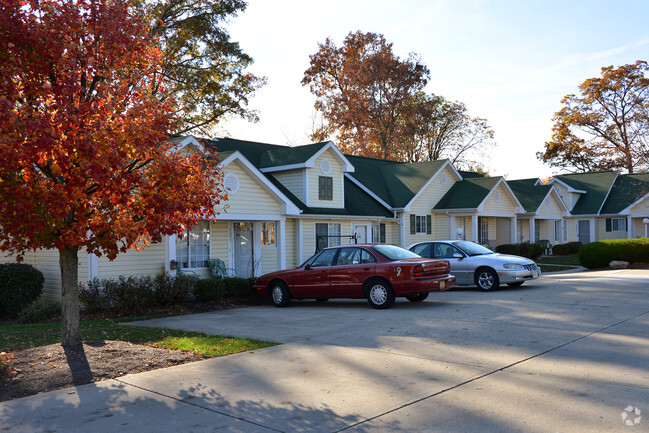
{"x":395,"y":253}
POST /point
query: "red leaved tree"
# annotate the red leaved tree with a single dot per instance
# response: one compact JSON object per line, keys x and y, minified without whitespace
{"x":83,"y":124}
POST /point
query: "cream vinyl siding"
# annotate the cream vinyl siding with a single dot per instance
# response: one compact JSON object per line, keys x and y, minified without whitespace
{"x":551,"y":208}
{"x":465,"y":223}
{"x":503,"y":206}
{"x":571,"y":229}
{"x":547,"y":230}
{"x":148,"y":261}
{"x":503,"y":231}
{"x":291,"y":243}
{"x":219,"y":241}
{"x":336,"y":173}
{"x":47,"y":261}
{"x":251,"y":197}
{"x":293,"y":180}
{"x":641,"y":210}
{"x":442,"y":227}
{"x":602,"y":234}
{"x":392,"y":233}
{"x":268,"y":259}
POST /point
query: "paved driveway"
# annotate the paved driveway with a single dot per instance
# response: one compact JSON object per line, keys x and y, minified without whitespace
{"x":566,"y":353}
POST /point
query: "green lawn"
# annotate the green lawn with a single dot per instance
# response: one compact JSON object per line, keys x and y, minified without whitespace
{"x":557,"y":263}
{"x":15,"y":337}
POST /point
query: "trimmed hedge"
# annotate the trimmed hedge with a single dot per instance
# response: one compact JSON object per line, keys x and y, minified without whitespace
{"x":566,"y":249}
{"x":238,"y":287}
{"x":40,"y":311}
{"x":209,"y":290}
{"x":526,"y":249}
{"x":600,"y":254}
{"x":20,"y":285}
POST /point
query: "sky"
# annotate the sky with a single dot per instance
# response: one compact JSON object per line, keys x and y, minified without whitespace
{"x":510,"y":62}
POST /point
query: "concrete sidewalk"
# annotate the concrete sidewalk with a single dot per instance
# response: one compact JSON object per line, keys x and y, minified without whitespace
{"x":566,"y":353}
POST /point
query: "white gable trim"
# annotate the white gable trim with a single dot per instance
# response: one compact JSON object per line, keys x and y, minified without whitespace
{"x":186,"y":141}
{"x":558,"y":196}
{"x":627,"y":210}
{"x":310,"y":163}
{"x":568,"y":187}
{"x":433,"y":177}
{"x":518,"y":207}
{"x":369,"y":192}
{"x":608,"y":193}
{"x":288,"y":205}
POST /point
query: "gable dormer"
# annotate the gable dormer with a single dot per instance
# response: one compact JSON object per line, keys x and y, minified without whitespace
{"x":313,"y":173}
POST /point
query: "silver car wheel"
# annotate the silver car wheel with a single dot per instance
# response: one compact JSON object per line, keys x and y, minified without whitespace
{"x":487,"y":280}
{"x":379,"y":294}
{"x":277,"y":294}
{"x":280,"y":295}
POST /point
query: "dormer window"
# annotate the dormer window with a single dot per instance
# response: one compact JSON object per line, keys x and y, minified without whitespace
{"x":325,"y":188}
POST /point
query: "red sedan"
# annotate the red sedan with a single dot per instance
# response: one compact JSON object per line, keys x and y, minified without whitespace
{"x":377,"y":272}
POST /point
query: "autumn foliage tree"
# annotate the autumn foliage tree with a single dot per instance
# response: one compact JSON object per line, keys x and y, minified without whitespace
{"x":201,"y":65}
{"x":83,"y":122}
{"x":605,"y":127}
{"x":362,"y":91}
{"x":437,"y":128}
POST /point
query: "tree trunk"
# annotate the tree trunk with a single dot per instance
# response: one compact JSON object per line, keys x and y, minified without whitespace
{"x":70,"y":327}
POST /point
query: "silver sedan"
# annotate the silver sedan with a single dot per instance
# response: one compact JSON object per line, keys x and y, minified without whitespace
{"x":473,"y":264}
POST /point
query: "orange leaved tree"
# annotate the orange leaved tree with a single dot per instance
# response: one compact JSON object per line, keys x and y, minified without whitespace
{"x":83,"y":124}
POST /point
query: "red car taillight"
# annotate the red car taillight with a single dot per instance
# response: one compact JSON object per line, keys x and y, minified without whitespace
{"x":418,"y":271}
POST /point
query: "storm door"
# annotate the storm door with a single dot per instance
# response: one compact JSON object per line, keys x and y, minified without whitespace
{"x":243,"y":250}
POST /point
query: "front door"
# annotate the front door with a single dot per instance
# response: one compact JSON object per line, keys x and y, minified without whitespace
{"x":243,"y":250}
{"x":583,"y":232}
{"x":361,"y":234}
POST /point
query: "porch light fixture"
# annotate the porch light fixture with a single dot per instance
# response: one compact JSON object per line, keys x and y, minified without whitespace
{"x":646,"y":224}
{"x":460,"y":233}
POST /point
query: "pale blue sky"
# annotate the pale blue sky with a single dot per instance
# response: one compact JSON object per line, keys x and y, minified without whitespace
{"x":510,"y":62}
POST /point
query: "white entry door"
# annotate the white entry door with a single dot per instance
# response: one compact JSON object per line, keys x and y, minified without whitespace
{"x":243,"y":249}
{"x":361,"y":234}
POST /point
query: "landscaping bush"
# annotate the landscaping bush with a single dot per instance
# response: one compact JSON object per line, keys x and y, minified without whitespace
{"x":20,"y":285}
{"x":531,"y":251}
{"x":40,"y":311}
{"x":134,"y":293}
{"x":238,"y":287}
{"x":514,"y":249}
{"x":600,"y":254}
{"x":566,"y":249}
{"x":209,"y":290}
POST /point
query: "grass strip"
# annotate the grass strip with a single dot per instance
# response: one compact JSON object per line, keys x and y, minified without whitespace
{"x":15,"y":337}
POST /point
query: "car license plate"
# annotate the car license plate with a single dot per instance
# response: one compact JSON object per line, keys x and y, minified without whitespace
{"x":442,"y":284}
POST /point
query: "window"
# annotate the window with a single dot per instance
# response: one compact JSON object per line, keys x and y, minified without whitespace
{"x":324,"y":259}
{"x":325,"y":188}
{"x":615,"y":224}
{"x":483,"y":223}
{"x":420,"y":224}
{"x":557,"y":231}
{"x":268,"y":233}
{"x":193,"y":249}
{"x":537,"y":230}
{"x":354,"y":256}
{"x":327,"y":235}
{"x":378,"y":233}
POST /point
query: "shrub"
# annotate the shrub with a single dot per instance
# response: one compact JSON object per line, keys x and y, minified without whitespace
{"x":531,"y":251}
{"x":20,"y":285}
{"x":209,"y":290}
{"x":514,"y":249}
{"x":40,"y":311}
{"x":600,"y":254}
{"x":93,"y":298}
{"x":239,"y":287}
{"x":566,"y":249}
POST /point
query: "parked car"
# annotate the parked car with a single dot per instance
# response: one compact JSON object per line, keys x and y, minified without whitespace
{"x":473,"y":264}
{"x":377,"y":272}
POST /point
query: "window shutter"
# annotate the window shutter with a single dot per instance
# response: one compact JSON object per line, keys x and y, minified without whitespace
{"x":412,"y":224}
{"x":429,"y":223}
{"x":609,"y":225}
{"x":382,"y":233}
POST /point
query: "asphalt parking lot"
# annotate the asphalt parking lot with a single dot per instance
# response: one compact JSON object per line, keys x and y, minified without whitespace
{"x":566,"y":353}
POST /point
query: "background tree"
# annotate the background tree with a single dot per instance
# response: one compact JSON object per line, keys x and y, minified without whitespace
{"x":440,"y":129}
{"x":83,"y":115}
{"x":202,"y":66}
{"x":362,"y":90}
{"x":607,"y":126}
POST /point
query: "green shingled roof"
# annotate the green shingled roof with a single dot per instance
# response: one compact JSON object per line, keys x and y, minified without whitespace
{"x":597,"y":186}
{"x":528,"y":193}
{"x":467,"y":193}
{"x":396,"y":183}
{"x":627,"y":189}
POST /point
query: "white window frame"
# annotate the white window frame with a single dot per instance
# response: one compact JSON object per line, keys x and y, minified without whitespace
{"x":420,"y":224}
{"x":332,"y":230}
{"x":196,"y":243}
{"x":615,"y":224}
